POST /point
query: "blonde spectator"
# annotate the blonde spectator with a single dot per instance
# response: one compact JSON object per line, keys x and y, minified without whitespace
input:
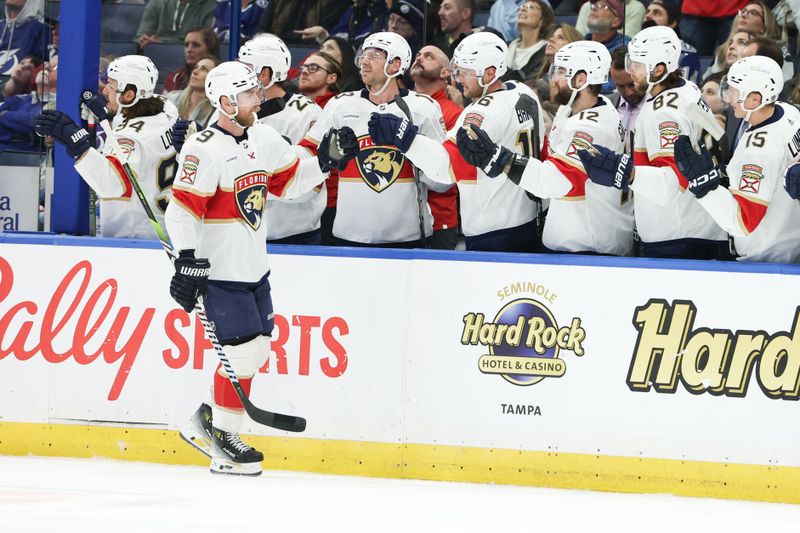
{"x":192,"y":102}
{"x":730,"y":52}
{"x":561,"y":35}
{"x":526,"y":53}
{"x":198,"y":42}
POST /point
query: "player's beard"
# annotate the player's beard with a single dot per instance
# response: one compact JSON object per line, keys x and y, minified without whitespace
{"x":562,"y":96}
{"x":248,"y":118}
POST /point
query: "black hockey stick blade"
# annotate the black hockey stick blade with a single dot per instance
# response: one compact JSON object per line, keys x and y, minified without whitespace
{"x":295,"y":424}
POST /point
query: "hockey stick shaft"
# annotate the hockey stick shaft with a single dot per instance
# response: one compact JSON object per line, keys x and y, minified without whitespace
{"x":407,"y":112}
{"x":267,"y":418}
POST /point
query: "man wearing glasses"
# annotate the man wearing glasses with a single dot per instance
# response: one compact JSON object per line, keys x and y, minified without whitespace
{"x":320,"y":76}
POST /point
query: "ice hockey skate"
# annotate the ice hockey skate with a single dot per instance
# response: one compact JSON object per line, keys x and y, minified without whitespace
{"x":230,"y":455}
{"x":197,"y":431}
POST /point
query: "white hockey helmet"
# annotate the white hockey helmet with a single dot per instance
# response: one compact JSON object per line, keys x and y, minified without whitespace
{"x":654,"y":45}
{"x":590,"y":57}
{"x":229,"y":79}
{"x":479,"y":51}
{"x":755,"y":74}
{"x":267,"y":51}
{"x":135,"y":70}
{"x":395,"y":47}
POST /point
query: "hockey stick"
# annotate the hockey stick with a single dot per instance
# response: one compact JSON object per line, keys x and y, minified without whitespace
{"x":267,"y":418}
{"x":407,"y":112}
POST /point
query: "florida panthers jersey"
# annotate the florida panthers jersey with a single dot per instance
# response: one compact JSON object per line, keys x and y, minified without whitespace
{"x":145,"y":144}
{"x":663,"y":209}
{"x":583,"y":216}
{"x":763,"y":219}
{"x":377,"y":200}
{"x":220,"y":194}
{"x":301,"y":215}
{"x":488,"y":204}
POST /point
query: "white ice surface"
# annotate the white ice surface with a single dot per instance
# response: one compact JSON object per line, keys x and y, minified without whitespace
{"x":92,"y":495}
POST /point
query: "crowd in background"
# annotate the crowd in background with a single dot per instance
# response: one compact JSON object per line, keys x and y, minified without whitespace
{"x":715,"y":35}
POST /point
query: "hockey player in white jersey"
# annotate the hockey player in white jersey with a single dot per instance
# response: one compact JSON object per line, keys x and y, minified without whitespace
{"x":669,"y":220}
{"x":215,"y":221}
{"x":291,"y":114}
{"x":496,"y":215}
{"x":583,"y":216}
{"x":763,"y":220}
{"x":142,"y":124}
{"x":381,"y":201}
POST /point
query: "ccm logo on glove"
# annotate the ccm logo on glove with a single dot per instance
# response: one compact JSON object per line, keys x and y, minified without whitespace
{"x":705,"y":178}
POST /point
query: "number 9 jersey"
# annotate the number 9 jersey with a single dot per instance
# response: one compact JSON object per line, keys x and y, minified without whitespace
{"x":145,"y":143}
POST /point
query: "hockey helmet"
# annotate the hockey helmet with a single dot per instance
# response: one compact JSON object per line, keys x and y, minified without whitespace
{"x":480,"y":51}
{"x":395,"y":47}
{"x":267,"y":51}
{"x":229,"y":79}
{"x":755,"y":74}
{"x":590,"y":57}
{"x":135,"y":70}
{"x":654,"y":45}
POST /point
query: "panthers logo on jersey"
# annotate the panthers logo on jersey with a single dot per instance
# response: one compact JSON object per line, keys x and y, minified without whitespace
{"x":379,"y":166}
{"x":250,"y":192}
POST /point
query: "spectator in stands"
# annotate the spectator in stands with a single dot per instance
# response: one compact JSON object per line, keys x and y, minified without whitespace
{"x":706,"y":24}
{"x":668,"y":13}
{"x":710,"y":89}
{"x":632,"y":13}
{"x":357,"y":21}
{"x":561,"y":35}
{"x":198,"y":42}
{"x":731,"y":52}
{"x":168,"y":21}
{"x":431,"y":73}
{"x":17,"y":113}
{"x":535,"y":22}
{"x":503,"y":18}
{"x":455,"y":21}
{"x":22,"y":33}
{"x":191,"y":101}
{"x":320,"y":75}
{"x":22,"y":77}
{"x":251,"y":11}
{"x":757,"y":18}
{"x":405,"y":19}
{"x":631,"y":99}
{"x":285,"y":17}
{"x":342,"y":51}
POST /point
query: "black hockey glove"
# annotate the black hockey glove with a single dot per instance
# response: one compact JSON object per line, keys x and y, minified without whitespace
{"x":96,"y":104}
{"x":390,"y":130}
{"x":791,"y":181}
{"x":478,"y":149}
{"x":698,"y":169}
{"x":606,"y":167}
{"x":337,"y":148}
{"x":179,"y":132}
{"x":190,"y":281}
{"x":62,"y":128}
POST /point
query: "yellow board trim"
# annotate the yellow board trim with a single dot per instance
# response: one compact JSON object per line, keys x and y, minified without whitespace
{"x":422,"y":461}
